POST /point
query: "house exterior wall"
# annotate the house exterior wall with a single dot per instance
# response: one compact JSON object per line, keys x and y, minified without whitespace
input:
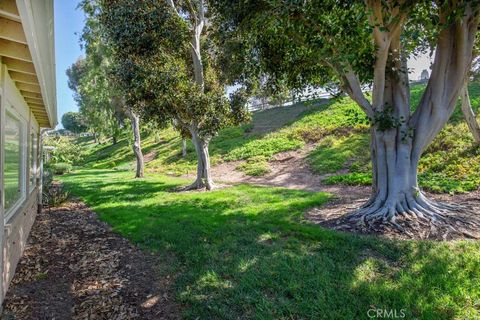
{"x":15,"y":237}
{"x":18,"y":220}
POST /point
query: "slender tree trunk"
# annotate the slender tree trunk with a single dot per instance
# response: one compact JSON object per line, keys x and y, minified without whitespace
{"x":95,"y":138}
{"x":114,"y":140}
{"x":469,"y":114}
{"x":184,"y":147}
{"x":204,"y":177}
{"x":137,"y":149}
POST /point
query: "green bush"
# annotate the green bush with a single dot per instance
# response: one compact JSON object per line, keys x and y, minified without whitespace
{"x":53,"y":194}
{"x":61,"y":168}
{"x":65,"y":150}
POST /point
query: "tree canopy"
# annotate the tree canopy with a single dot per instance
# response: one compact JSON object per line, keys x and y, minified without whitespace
{"x":165,"y":59}
{"x":74,"y":122}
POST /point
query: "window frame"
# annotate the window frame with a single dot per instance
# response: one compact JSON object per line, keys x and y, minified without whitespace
{"x":32,"y":156}
{"x":11,"y":112}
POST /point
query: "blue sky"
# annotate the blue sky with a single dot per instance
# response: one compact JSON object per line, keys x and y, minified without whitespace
{"x":68,"y":24}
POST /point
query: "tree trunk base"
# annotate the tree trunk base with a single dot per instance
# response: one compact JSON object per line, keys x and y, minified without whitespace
{"x":421,"y":219}
{"x":199,"y":185}
{"x":415,"y":218}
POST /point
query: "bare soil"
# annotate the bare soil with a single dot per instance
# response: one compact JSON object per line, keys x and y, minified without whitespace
{"x":75,"y":267}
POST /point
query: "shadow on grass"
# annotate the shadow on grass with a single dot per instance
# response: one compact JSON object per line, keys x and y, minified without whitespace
{"x":244,"y":252}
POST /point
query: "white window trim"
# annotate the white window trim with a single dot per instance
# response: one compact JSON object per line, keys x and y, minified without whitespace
{"x":23,"y":187}
{"x":31,"y":187}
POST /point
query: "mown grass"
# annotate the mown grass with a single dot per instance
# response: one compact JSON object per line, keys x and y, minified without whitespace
{"x":245,"y":253}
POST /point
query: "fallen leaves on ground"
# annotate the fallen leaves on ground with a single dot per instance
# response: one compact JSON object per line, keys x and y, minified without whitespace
{"x":75,"y":267}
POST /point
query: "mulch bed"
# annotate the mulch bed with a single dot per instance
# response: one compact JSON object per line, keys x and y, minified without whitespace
{"x":463,"y":224}
{"x":75,"y":267}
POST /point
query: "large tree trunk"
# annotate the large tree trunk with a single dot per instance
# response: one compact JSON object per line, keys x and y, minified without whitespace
{"x":137,"y":149}
{"x":399,"y":137}
{"x":469,"y":114}
{"x":204,"y":177}
{"x":395,"y":185}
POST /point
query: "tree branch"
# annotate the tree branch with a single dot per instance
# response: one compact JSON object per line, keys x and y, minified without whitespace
{"x":172,"y":4}
{"x":351,"y":85}
{"x":382,"y":36}
{"x":453,"y":57}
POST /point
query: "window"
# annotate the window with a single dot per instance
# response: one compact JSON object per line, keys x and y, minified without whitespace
{"x":13,"y":184}
{"x":33,"y":161}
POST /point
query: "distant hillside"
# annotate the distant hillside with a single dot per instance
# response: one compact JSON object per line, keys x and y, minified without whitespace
{"x":337,"y":130}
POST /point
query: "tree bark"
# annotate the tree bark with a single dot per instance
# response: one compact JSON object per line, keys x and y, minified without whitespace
{"x":204,"y":177}
{"x":184,"y":147}
{"x":469,"y":114}
{"x":137,"y":149}
{"x":397,"y":145}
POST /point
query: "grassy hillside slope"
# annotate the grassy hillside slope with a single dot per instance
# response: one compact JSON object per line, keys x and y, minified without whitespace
{"x":338,"y":130}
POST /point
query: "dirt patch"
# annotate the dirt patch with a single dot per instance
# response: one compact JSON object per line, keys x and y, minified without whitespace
{"x":461,"y":224}
{"x":288,"y":169}
{"x":75,"y":267}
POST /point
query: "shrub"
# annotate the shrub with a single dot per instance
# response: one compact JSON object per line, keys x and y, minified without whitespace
{"x":53,"y":194}
{"x":61,"y":168}
{"x":65,"y":150}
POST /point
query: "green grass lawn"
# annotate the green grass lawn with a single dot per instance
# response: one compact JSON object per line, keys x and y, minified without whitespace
{"x":245,"y":253}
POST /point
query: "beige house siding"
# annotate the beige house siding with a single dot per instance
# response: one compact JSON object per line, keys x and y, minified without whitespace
{"x":15,"y":237}
{"x":17,"y":225}
{"x":27,"y":93}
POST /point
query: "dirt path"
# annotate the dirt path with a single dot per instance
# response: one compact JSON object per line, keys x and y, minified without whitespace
{"x":289,"y":170}
{"x":74,"y":267}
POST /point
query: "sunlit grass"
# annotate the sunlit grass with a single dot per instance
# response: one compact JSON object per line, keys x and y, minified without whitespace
{"x":245,"y":253}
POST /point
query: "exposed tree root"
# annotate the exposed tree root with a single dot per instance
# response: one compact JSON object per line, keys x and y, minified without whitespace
{"x":415,"y":217}
{"x":199,"y":184}
{"x":416,"y":214}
